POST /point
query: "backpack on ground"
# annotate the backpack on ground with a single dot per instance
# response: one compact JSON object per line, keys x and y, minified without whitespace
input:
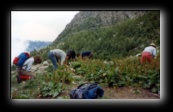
{"x":19,"y":60}
{"x":87,"y":91}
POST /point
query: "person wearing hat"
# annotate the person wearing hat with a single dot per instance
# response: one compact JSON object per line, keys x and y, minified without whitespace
{"x":148,"y":53}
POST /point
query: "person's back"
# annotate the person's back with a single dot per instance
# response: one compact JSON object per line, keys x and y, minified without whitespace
{"x":55,"y":54}
{"x":148,"y":53}
{"x":88,"y":54}
{"x":59,"y":53}
{"x":150,"y":49}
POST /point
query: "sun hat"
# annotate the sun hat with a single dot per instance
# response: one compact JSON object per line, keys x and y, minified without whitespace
{"x":152,"y":44}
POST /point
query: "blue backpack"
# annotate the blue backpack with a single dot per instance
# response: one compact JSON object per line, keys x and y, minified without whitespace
{"x":87,"y":91}
{"x":19,"y":60}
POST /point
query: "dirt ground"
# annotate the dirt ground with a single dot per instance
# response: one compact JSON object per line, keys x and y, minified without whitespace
{"x":121,"y":93}
{"x":129,"y":93}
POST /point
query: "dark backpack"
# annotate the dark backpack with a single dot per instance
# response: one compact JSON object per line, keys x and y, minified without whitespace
{"x":19,"y":60}
{"x":87,"y":91}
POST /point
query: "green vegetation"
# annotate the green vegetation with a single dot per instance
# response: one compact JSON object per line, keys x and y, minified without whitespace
{"x":116,"y":73}
{"x":114,"y":63}
{"x":128,"y":37}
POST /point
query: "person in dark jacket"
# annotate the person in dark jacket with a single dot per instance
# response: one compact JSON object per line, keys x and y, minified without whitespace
{"x":87,"y":54}
{"x":71,"y":55}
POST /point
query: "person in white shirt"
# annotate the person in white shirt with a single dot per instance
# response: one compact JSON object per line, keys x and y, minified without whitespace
{"x":26,"y":68}
{"x":148,"y":53}
{"x":56,"y":54}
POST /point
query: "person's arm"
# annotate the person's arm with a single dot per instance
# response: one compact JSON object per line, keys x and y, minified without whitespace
{"x":63,"y":59}
{"x":74,"y":56}
{"x":28,"y":68}
{"x":75,"y":59}
{"x":154,"y":53}
{"x":65,"y":62}
{"x":28,"y":64}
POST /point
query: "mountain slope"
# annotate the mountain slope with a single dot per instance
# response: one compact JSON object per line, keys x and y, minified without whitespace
{"x":125,"y":34}
{"x":86,"y":20}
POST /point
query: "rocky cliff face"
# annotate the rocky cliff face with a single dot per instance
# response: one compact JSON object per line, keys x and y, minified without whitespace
{"x":106,"y":18}
{"x":86,"y":20}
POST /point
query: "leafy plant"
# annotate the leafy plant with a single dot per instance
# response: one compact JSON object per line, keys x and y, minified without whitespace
{"x":51,"y":89}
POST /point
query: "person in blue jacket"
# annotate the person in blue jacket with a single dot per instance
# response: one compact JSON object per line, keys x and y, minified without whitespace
{"x":87,"y":54}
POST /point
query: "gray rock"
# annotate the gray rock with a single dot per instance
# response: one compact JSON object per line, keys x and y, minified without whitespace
{"x":45,"y":63}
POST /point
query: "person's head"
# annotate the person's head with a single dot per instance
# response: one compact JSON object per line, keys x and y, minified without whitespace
{"x":69,"y":54}
{"x":67,"y":57}
{"x":152,"y":44}
{"x":37,"y":60}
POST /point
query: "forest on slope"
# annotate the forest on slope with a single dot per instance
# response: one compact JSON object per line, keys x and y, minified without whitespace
{"x":127,"y":37}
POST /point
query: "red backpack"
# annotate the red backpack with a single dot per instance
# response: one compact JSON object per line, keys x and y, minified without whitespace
{"x":19,"y":60}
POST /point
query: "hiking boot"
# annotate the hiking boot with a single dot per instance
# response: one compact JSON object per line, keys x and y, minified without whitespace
{"x":19,"y":79}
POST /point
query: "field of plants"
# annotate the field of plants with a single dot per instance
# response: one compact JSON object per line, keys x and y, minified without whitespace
{"x":122,"y":78}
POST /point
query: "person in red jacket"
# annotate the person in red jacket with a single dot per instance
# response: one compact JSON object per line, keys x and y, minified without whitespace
{"x":148,"y":53}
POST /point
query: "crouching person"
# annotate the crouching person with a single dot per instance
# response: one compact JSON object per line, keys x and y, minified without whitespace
{"x":25,"y":72}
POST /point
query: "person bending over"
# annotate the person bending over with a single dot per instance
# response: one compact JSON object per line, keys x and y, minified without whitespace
{"x":148,"y":53}
{"x":86,"y":54}
{"x":26,"y":68}
{"x":71,"y":55}
{"x":55,"y":54}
